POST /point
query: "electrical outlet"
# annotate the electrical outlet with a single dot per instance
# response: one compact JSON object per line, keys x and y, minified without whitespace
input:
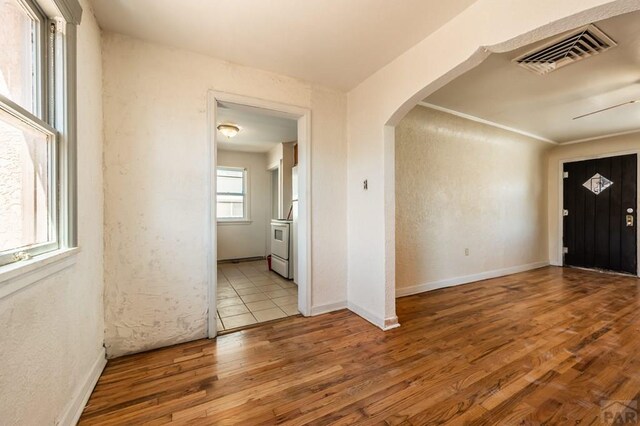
{"x":365,"y":184}
{"x":466,"y":252}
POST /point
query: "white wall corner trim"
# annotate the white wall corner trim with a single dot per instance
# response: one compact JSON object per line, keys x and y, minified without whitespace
{"x":391,"y":323}
{"x":329,"y":307}
{"x":487,"y":122}
{"x":450,"y":282}
{"x":19,"y":275}
{"x":74,"y":410}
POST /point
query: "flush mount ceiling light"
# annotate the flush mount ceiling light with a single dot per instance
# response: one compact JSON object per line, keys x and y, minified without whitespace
{"x":229,"y":130}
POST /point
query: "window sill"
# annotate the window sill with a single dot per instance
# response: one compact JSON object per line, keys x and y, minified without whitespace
{"x":235,"y":222}
{"x":16,"y":276}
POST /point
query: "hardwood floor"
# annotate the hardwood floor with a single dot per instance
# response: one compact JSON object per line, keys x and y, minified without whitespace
{"x":545,"y":346}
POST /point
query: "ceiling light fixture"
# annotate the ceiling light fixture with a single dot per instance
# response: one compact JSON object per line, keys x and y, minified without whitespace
{"x":229,"y":130}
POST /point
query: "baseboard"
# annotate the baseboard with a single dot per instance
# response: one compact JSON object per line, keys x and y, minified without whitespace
{"x":329,"y":307}
{"x":450,"y":282}
{"x":369,"y":316}
{"x":391,"y":323}
{"x":241,"y":260}
{"x":74,"y":410}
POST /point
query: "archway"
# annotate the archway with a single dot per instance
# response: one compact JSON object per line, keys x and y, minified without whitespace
{"x":379,"y":103}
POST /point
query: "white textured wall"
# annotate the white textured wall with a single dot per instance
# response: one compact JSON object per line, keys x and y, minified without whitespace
{"x":462,"y":184}
{"x":385,"y":97}
{"x":617,"y":145}
{"x":237,"y":241}
{"x":52,"y":332}
{"x":156,"y":187}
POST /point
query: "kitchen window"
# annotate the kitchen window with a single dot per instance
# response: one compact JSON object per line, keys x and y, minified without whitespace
{"x":231,"y":202}
{"x":37,"y":128}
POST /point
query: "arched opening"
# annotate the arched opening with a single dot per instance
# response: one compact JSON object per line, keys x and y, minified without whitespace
{"x":403,"y":125}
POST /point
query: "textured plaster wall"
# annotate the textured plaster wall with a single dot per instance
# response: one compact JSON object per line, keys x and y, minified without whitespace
{"x":156,"y":187}
{"x":236,"y":241}
{"x":52,"y":331}
{"x":389,"y":94}
{"x":617,"y":145}
{"x":462,"y":184}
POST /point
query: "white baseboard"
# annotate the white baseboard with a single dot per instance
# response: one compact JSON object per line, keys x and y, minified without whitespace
{"x":329,"y":307}
{"x":74,"y":410}
{"x":369,"y":316}
{"x":450,"y":282}
{"x":391,"y":323}
{"x":381,"y":323}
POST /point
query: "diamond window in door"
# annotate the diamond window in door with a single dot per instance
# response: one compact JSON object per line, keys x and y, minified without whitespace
{"x":597,"y":183}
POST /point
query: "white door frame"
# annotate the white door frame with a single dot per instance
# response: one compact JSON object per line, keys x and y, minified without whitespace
{"x":303,"y":117}
{"x":561,"y":164}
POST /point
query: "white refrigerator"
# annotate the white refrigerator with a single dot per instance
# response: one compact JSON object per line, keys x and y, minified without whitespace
{"x":294,"y":217}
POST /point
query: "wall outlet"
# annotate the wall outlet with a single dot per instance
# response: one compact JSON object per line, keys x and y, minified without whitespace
{"x":466,"y":252}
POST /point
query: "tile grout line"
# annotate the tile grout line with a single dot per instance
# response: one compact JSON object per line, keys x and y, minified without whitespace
{"x":264,"y":277}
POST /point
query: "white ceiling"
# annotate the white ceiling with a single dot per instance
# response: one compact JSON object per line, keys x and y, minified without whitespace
{"x":260,"y":129}
{"x":337,"y":43}
{"x":499,"y":91}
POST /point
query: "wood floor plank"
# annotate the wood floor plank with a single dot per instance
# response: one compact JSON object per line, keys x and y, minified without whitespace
{"x":540,"y":347}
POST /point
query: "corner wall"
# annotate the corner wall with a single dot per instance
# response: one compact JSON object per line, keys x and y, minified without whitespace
{"x":156,"y":180}
{"x":466,"y":185}
{"x":52,"y":331}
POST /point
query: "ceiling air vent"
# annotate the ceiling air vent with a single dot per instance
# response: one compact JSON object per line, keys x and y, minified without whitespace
{"x":576,"y":46}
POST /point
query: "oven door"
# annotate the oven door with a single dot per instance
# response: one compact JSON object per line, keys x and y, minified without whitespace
{"x":280,"y":240}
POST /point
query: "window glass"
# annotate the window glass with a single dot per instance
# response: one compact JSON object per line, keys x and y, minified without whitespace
{"x":25,"y":194}
{"x":230,"y":193}
{"x":231,"y":181}
{"x":18,"y":54}
{"x":230,"y":206}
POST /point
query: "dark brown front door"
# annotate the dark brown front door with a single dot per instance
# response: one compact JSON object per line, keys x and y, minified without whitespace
{"x":600,"y":213}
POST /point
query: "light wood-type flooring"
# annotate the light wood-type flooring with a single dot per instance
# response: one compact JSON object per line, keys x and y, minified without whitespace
{"x":540,"y":347}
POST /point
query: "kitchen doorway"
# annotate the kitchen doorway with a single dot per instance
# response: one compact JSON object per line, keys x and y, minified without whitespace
{"x":260,"y":234}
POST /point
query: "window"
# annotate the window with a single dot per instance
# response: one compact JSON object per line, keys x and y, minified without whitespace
{"x":37,"y":135}
{"x":21,"y":55}
{"x":231,"y":194}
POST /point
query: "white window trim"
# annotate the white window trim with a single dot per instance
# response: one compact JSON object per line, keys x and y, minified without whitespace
{"x":66,"y":15}
{"x":18,"y":113}
{"x":16,"y":276}
{"x":246,"y":219}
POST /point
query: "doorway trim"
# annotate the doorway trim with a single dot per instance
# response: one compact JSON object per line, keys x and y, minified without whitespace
{"x":560,"y":183}
{"x":303,"y":117}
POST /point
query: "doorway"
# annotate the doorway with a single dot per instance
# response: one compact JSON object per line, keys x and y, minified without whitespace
{"x":242,"y":284}
{"x":599,"y":213}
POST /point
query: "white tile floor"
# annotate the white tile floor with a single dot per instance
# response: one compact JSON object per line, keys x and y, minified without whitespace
{"x":248,"y":293}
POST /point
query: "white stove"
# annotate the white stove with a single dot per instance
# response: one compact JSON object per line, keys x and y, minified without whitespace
{"x":282,"y":253}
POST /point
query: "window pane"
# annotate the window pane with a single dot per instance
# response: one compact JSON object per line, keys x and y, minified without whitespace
{"x":230,"y":207}
{"x":233,"y":185}
{"x":230,"y":181}
{"x":231,"y":173}
{"x":24,"y":184}
{"x":17,"y":54}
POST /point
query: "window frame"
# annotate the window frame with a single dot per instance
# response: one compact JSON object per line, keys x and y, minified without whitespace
{"x":54,"y":114}
{"x":246,"y":217}
{"x":17,"y":254}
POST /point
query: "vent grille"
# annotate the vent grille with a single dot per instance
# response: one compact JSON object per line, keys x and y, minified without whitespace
{"x":578,"y":45}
